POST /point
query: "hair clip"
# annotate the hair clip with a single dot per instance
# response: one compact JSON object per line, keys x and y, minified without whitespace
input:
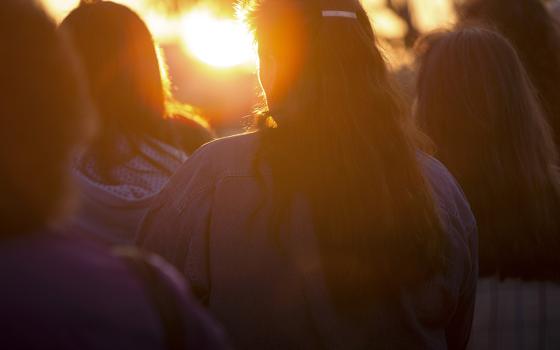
{"x":344,"y":14}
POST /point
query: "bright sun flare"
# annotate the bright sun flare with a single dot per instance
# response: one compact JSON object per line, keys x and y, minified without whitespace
{"x":217,"y":41}
{"x":223,"y":42}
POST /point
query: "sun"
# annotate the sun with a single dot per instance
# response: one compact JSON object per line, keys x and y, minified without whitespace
{"x":219,"y":42}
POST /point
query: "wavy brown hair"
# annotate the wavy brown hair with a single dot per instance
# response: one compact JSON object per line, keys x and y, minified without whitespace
{"x":335,"y":133}
{"x":475,"y":100}
{"x":44,"y":113}
{"x":132,"y":95}
{"x":534,"y":33}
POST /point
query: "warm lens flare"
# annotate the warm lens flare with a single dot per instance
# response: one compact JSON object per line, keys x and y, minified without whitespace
{"x":60,"y":8}
{"x":388,"y":25}
{"x":433,"y":14}
{"x":161,"y":27}
{"x":222,"y":42}
{"x":219,"y":42}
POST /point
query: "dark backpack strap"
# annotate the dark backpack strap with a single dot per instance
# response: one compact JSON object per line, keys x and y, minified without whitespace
{"x":161,"y":295}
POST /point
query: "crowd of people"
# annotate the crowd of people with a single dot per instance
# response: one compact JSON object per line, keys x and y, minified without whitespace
{"x":344,"y":219}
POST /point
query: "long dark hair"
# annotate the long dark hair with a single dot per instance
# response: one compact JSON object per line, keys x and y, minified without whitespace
{"x":126,"y":82}
{"x":476,"y":102}
{"x":44,"y":114}
{"x":534,"y":33}
{"x":335,"y":133}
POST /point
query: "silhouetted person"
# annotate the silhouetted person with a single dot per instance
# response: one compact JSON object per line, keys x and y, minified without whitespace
{"x":477,"y":103}
{"x":136,"y":149}
{"x":534,"y":33}
{"x":402,"y":9}
{"x":327,"y":228}
{"x":58,"y":291}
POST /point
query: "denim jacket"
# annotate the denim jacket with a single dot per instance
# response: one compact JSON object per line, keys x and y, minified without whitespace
{"x":212,"y":222}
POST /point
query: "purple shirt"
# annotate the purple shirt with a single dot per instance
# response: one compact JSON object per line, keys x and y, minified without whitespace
{"x":62,"y":292}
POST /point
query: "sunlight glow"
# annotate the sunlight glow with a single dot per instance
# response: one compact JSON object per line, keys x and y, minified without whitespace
{"x":385,"y":22}
{"x":162,"y":28}
{"x":219,"y":42}
{"x":222,"y":42}
{"x":60,"y":8}
{"x":388,"y":25}
{"x":429,"y":15}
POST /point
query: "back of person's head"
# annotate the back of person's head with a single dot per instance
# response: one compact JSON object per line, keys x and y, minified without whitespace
{"x":334,"y":133}
{"x":43,"y":113}
{"x":532,"y":30}
{"x":122,"y":65}
{"x":476,"y":102}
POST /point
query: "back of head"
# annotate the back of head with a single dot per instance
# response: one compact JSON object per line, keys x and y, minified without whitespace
{"x":476,"y":102}
{"x":122,"y":66}
{"x":334,"y":133}
{"x":534,"y":33}
{"x":43,"y":113}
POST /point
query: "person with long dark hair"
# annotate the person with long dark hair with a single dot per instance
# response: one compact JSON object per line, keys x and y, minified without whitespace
{"x":327,"y":228}
{"x":57,"y":290}
{"x":476,"y":102}
{"x":137,"y":148}
{"x":535,"y":34}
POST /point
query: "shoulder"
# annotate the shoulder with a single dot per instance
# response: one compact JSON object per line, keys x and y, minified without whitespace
{"x":81,"y":278}
{"x":229,"y":151}
{"x":442,"y":183}
{"x":55,"y":247}
{"x":66,"y":266}
{"x":449,"y":196}
{"x":196,"y":178}
{"x":436,"y":173}
{"x":229,"y":156}
{"x":458,"y":221}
